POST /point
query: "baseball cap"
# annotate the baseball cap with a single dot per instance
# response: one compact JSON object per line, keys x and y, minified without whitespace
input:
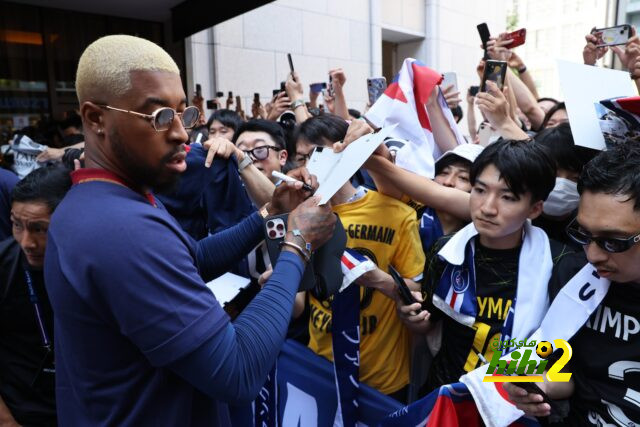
{"x":466,"y":151}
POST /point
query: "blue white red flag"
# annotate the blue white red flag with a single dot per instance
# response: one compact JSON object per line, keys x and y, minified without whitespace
{"x":354,"y":265}
{"x":448,"y":406}
{"x":404,"y":103}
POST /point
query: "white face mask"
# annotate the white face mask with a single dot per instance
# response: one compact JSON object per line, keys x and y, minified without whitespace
{"x":563,"y":199}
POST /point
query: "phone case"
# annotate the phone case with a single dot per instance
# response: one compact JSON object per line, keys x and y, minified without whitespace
{"x":495,"y":71}
{"x":517,"y":38}
{"x":375,"y":88}
{"x":449,"y":79}
{"x":612,"y":36}
{"x":317,"y":87}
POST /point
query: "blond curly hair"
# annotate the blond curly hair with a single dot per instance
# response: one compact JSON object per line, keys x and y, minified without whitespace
{"x":105,"y":65}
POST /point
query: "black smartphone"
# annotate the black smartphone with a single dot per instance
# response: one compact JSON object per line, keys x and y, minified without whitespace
{"x":230,"y":94}
{"x":496,"y":71}
{"x":198,"y":90}
{"x":473,"y":90}
{"x":276,"y":92}
{"x":212,"y":104}
{"x":282,"y":87}
{"x":485,"y":35}
{"x":403,"y":289}
{"x":533,"y":388}
{"x":290,"y":65}
{"x":256,"y":98}
{"x":219,"y":94}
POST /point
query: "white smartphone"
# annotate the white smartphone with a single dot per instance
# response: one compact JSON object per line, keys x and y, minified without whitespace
{"x":449,"y":79}
{"x":486,"y":135}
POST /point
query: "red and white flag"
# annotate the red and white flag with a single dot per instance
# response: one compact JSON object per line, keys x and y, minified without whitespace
{"x":404,"y":103}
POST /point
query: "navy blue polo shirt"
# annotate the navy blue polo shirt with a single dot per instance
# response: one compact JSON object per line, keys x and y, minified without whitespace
{"x":127,"y":301}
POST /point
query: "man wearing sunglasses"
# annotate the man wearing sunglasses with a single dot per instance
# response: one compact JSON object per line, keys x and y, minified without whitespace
{"x":606,"y":350}
{"x":140,"y":339}
{"x":264,"y":142}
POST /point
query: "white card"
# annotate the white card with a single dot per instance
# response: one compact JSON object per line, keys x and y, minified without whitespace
{"x":333,"y":170}
{"x":226,"y":287}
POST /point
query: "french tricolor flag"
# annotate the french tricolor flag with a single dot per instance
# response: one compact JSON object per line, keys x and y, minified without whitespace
{"x":354,"y":265}
{"x":628,"y":108}
{"x":451,"y":405}
{"x":404,"y":103}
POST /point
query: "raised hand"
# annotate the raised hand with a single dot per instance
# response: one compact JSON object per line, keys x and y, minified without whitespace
{"x":451,"y":96}
{"x":356,"y":129}
{"x":338,"y":77}
{"x":631,"y":51}
{"x":496,"y":48}
{"x":493,"y":105}
{"x":591,"y":53}
{"x":288,"y":195}
{"x":294,"y":87}
{"x":280,"y":104}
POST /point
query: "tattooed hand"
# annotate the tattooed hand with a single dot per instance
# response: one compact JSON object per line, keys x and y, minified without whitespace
{"x":316,"y":223}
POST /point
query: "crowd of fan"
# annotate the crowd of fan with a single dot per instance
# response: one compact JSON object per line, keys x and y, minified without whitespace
{"x":121,"y":287}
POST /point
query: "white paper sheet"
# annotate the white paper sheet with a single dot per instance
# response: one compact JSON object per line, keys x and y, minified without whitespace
{"x":584,"y":85}
{"x":333,"y":170}
{"x":226,"y":287}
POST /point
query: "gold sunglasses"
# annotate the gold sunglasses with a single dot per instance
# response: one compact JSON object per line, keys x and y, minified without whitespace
{"x":162,"y":118}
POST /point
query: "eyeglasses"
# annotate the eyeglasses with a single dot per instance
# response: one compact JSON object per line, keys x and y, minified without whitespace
{"x":301,"y":159}
{"x":609,"y":244}
{"x":162,"y":118}
{"x":261,"y":153}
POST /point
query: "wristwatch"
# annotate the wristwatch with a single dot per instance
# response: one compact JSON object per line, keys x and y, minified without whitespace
{"x":244,"y":163}
{"x":295,"y":104}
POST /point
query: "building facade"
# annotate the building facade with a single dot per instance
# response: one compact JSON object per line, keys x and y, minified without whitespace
{"x":367,"y":38}
{"x":556,"y":30}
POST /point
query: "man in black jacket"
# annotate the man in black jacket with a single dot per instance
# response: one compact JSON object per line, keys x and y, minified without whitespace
{"x":27,"y":370}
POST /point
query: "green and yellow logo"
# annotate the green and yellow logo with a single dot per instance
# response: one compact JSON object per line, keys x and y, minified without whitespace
{"x":522,"y":369}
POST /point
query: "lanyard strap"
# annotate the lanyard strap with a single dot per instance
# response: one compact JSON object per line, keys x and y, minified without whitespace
{"x":36,"y":307}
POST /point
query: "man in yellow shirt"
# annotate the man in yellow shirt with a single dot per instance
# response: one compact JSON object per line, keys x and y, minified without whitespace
{"x":386,"y":231}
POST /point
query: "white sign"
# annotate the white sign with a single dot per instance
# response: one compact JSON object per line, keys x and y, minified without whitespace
{"x":333,"y":170}
{"x":226,"y":287}
{"x":584,"y":85}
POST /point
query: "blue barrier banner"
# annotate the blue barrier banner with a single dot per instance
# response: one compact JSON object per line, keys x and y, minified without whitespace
{"x":307,"y":391}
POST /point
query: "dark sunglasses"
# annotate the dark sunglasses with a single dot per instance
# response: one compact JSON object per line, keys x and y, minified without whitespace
{"x":162,"y":118}
{"x":609,"y":244}
{"x":261,"y":153}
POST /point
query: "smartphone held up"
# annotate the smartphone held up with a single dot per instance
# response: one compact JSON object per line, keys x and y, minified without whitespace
{"x":495,"y":71}
{"x":612,"y":36}
{"x":375,"y":88}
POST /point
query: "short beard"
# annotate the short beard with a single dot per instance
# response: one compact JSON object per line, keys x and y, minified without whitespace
{"x":142,"y":175}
